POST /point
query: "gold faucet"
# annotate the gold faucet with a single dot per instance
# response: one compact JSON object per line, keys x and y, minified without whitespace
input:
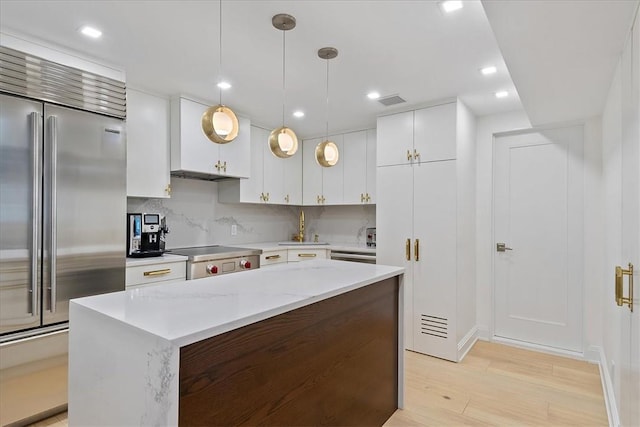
{"x":300,"y":236}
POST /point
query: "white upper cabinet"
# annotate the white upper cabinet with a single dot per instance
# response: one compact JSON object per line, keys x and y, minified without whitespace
{"x":193,"y":154}
{"x":147,"y":145}
{"x":333,"y":177}
{"x":371,"y":167}
{"x":395,"y":136}
{"x":355,"y":167}
{"x":312,"y":171}
{"x":272,"y":180}
{"x":434,"y":133}
{"x":424,"y":135}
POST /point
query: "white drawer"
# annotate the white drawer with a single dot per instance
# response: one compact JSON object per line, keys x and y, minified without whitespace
{"x":273,"y":257}
{"x":296,"y":255}
{"x":142,"y":274}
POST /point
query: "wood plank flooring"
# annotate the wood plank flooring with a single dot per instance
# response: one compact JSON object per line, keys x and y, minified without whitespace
{"x":501,"y":385}
{"x":494,"y":385}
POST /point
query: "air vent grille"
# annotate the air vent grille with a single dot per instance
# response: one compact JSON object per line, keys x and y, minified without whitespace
{"x":391,"y":100}
{"x":434,"y":326}
{"x":33,"y":77}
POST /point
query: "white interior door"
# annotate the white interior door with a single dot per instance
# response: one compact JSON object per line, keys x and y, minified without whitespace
{"x":538,"y":203}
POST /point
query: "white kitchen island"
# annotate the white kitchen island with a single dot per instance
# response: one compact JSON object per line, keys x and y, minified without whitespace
{"x":258,"y":346}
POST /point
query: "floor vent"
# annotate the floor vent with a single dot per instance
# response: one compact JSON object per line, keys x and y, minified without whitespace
{"x":434,"y":326}
{"x":391,"y":100}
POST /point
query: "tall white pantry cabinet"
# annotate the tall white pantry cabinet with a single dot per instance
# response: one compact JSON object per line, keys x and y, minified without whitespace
{"x":425,"y":215}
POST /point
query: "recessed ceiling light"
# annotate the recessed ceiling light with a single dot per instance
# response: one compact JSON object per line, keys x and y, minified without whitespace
{"x":90,"y":32}
{"x":298,"y":114}
{"x":451,"y":5}
{"x":373,"y":95}
{"x":488,"y":70}
{"x":224,"y":85}
{"x":502,"y":94}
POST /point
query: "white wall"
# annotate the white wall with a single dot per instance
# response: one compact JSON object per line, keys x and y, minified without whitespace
{"x":486,"y":126}
{"x":196,"y":218}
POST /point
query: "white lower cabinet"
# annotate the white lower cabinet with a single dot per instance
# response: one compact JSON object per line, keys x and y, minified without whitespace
{"x":424,"y":217}
{"x":295,"y":255}
{"x":149,"y":272}
{"x":268,"y":258}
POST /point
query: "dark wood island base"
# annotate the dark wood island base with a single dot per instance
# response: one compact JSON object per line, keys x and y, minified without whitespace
{"x":334,"y":362}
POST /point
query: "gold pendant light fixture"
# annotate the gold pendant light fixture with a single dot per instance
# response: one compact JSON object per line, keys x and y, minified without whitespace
{"x":283,"y":141}
{"x":219,"y":123}
{"x":327,"y":153}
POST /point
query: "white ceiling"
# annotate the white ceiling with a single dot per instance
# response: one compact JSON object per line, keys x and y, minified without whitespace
{"x":562,"y":53}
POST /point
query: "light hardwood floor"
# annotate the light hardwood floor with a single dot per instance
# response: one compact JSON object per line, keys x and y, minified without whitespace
{"x":494,"y":385}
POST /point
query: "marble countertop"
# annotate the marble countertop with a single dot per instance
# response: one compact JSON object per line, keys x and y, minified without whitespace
{"x":131,"y":262}
{"x":274,"y":246}
{"x":193,"y":310}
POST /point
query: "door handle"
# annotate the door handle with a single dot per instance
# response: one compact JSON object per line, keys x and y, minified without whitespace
{"x":620,"y":299}
{"x":416,"y":249}
{"x":35,"y":218}
{"x":407,"y":249}
{"x":502,"y":247}
{"x":53,"y":254}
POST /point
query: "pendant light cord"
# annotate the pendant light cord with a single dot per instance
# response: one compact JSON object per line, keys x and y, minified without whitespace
{"x":220,"y":56}
{"x":284,"y":52}
{"x":327,"y":129}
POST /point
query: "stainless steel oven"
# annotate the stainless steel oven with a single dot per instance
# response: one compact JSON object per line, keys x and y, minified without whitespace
{"x":207,"y":261}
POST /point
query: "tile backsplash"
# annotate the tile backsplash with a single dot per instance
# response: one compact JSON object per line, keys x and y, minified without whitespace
{"x":196,"y":218}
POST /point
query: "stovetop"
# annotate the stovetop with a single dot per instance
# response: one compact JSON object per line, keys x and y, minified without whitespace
{"x":210,"y":253}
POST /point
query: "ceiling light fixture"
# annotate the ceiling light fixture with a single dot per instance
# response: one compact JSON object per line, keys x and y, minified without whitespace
{"x":488,"y":70}
{"x":219,"y":123}
{"x":327,"y":153}
{"x":373,"y":95}
{"x":451,"y":5}
{"x":91,"y":32}
{"x":299,"y":114}
{"x":283,"y":141}
{"x":502,"y":94}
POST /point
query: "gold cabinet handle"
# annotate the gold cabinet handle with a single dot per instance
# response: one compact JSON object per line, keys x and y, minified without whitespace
{"x":157,"y":272}
{"x":262,"y":197}
{"x":407,"y":250}
{"x":620,"y":299}
{"x":323,"y":200}
{"x":224,"y":166}
{"x":272,"y":257}
{"x":368,"y":198}
{"x":217,"y":165}
{"x":416,"y":249}
{"x":416,"y":155}
{"x":362,"y":198}
{"x":286,"y":198}
{"x":318,"y":199}
{"x":409,"y":155}
{"x":307,"y":255}
{"x":267,"y":197}
{"x":168,"y":189}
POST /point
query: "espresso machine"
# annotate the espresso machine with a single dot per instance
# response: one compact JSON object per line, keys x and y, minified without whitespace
{"x":146,"y":234}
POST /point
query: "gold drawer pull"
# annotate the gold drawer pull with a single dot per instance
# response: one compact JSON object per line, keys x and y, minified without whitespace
{"x":307,"y":255}
{"x":416,"y":249}
{"x":407,"y":249}
{"x":157,"y":272}
{"x":620,"y":299}
{"x":272,"y":257}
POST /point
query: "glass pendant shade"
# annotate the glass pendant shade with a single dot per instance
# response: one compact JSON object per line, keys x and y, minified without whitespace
{"x":327,"y":154}
{"x":283,"y":142}
{"x":220,"y":124}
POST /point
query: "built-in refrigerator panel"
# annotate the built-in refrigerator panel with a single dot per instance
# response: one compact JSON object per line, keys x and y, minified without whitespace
{"x":85,"y":208}
{"x":20,"y":187}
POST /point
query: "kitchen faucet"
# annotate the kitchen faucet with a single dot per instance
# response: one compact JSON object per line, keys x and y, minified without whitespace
{"x":300,"y":236}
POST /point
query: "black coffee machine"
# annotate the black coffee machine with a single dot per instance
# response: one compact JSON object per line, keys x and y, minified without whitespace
{"x":145,"y":234}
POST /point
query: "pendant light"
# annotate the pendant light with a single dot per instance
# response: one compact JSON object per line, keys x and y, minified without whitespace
{"x":283,"y":141}
{"x":219,"y":122}
{"x":327,"y":153}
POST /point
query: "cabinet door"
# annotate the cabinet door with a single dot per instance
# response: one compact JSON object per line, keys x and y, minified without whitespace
{"x":371,"y":166}
{"x":252,"y":188}
{"x":355,"y":167}
{"x":395,"y":139}
{"x":434,"y":273}
{"x":435,"y":133}
{"x":147,"y":145}
{"x":293,"y":179}
{"x":312,"y":173}
{"x":273,"y":174}
{"x":237,"y":153}
{"x":191,"y":150}
{"x":394,"y":220}
{"x":333,"y":177}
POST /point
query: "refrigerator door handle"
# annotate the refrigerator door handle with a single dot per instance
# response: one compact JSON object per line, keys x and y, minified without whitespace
{"x":53,"y":135}
{"x":35,"y":217}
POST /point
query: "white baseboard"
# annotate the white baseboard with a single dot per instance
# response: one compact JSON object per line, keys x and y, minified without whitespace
{"x":467,"y":342}
{"x":541,"y":348}
{"x":483,"y":333}
{"x":607,"y":386}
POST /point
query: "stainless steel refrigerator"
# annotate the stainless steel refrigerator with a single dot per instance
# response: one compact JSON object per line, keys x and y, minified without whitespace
{"x":62,"y":191}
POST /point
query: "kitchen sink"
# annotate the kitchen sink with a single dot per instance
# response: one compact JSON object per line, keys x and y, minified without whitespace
{"x":294,"y":243}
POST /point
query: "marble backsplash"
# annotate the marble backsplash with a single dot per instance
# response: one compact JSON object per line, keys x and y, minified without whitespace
{"x":196,"y":218}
